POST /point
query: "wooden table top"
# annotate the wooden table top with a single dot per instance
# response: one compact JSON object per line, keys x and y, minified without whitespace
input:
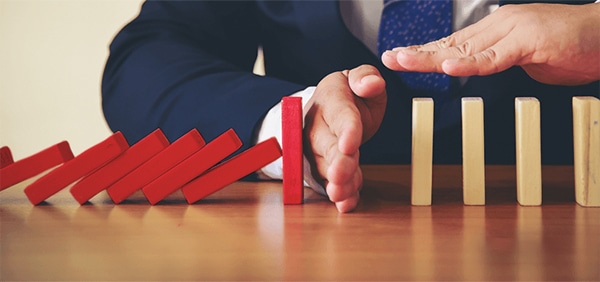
{"x":244,"y":232}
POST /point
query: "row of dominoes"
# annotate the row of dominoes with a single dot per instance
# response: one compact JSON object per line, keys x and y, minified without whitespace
{"x":153,"y":165}
{"x":159,"y":168}
{"x":586,"y":137}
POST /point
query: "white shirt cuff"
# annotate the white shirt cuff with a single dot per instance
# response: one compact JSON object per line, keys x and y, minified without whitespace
{"x":271,"y":126}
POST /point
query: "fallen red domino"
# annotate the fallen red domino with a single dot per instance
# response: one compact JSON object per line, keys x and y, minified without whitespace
{"x":291,"y":143}
{"x":160,"y":163}
{"x":33,"y":165}
{"x":80,"y":166}
{"x":214,"y":152}
{"x":6,"y":157}
{"x":232,"y":170}
{"x":139,"y":153}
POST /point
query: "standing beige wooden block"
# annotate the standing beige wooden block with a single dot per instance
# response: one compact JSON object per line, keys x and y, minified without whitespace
{"x":422,"y":151}
{"x":473,"y":151}
{"x":529,"y":156}
{"x":586,"y":141}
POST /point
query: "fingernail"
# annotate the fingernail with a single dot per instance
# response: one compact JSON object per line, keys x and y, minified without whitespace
{"x":409,"y":51}
{"x":368,"y":79}
{"x":390,"y":53}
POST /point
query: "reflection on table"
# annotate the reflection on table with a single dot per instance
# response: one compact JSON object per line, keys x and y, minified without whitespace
{"x":244,"y":232}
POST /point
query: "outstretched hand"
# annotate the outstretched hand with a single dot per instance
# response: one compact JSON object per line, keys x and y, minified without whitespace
{"x":348,"y":109}
{"x":554,"y":44}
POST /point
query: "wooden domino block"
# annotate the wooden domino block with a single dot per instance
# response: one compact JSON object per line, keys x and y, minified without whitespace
{"x":473,"y":151}
{"x":35,"y":164}
{"x":422,"y":151}
{"x":232,"y":170}
{"x":175,"y":153}
{"x":586,"y":141}
{"x":139,"y":153}
{"x":6,"y":157}
{"x":291,"y":139}
{"x":214,"y":152}
{"x":529,"y":154}
{"x":85,"y":163}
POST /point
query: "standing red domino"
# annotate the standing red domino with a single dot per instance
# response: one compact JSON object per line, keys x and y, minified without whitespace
{"x":35,"y":164}
{"x":82,"y":165}
{"x":232,"y":170}
{"x":291,"y":139}
{"x":6,"y":157}
{"x":139,"y":153}
{"x":214,"y":152}
{"x":175,"y":153}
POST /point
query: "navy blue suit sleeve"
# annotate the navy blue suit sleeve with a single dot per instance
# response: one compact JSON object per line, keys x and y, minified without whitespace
{"x":184,"y":65}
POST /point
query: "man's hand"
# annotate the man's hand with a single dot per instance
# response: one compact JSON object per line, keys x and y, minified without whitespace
{"x":554,"y":44}
{"x":348,"y":109}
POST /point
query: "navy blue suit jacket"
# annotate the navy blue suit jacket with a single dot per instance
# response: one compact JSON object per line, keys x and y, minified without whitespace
{"x":184,"y":65}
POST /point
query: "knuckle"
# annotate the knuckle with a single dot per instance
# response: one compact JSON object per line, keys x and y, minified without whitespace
{"x":489,"y":57}
{"x":446,"y":42}
{"x":464,"y":49}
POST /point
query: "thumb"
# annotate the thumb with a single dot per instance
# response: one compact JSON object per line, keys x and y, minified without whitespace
{"x":366,"y":82}
{"x":369,"y":88}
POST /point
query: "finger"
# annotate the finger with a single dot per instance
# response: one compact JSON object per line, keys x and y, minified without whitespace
{"x":348,"y":205}
{"x":489,"y":24}
{"x":411,"y":58}
{"x":482,"y":27}
{"x":366,"y":82}
{"x":388,"y":58}
{"x":421,"y":59}
{"x":463,"y":43}
{"x":342,"y":169}
{"x":402,"y":58}
{"x":341,"y":173}
{"x":342,"y":117}
{"x":332,"y":165}
{"x":497,"y":58}
{"x":323,"y":143}
{"x":369,"y":88}
{"x":339,"y":191}
{"x":332,"y":120}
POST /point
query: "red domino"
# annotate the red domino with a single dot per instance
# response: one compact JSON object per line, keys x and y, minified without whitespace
{"x":166,"y":159}
{"x":82,"y":165}
{"x":196,"y":164}
{"x":34,"y":164}
{"x":232,"y":170}
{"x":139,"y":153}
{"x":6,"y":157}
{"x":291,"y":143}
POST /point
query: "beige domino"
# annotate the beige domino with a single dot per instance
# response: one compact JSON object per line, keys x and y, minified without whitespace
{"x":422,"y":151}
{"x":473,"y":151}
{"x":586,"y":141}
{"x":529,"y":156}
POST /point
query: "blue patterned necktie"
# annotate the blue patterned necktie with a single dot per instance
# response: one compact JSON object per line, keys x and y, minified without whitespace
{"x":412,"y":22}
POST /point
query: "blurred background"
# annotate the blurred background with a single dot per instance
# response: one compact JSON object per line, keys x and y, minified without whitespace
{"x":52,"y":55}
